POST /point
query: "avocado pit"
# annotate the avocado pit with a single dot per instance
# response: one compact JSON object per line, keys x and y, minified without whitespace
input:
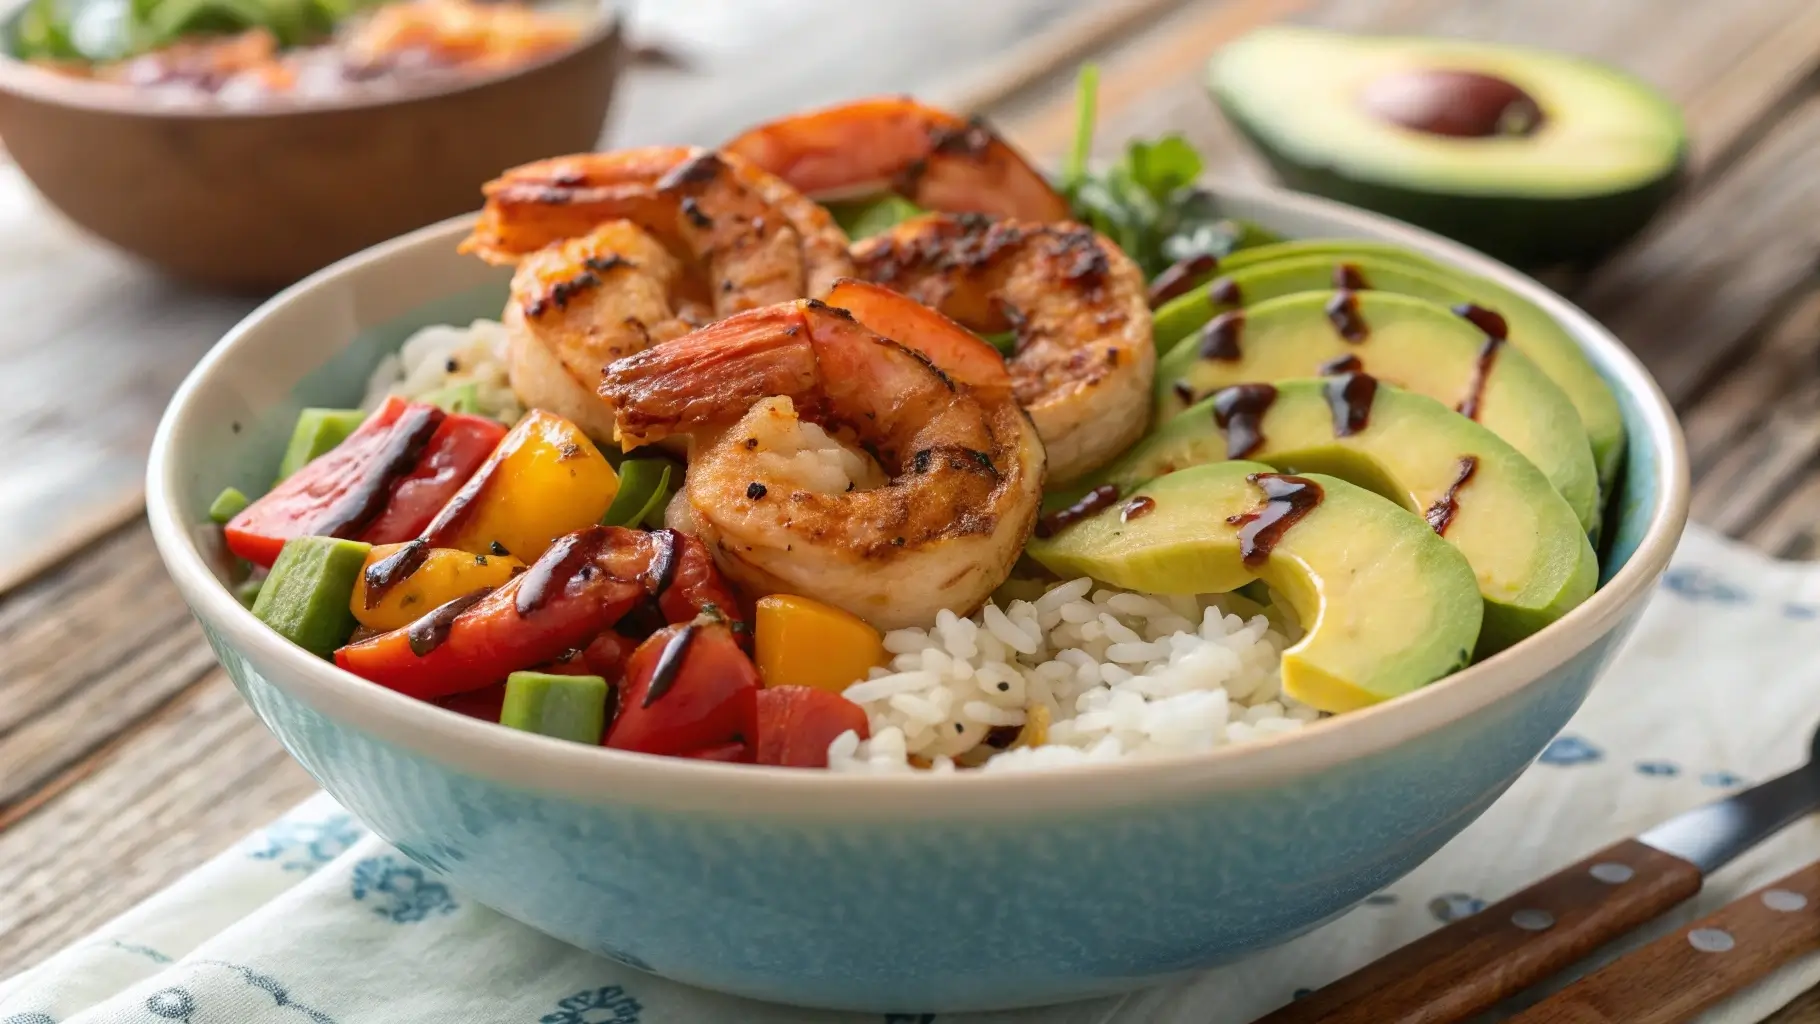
{"x":1453,"y":103}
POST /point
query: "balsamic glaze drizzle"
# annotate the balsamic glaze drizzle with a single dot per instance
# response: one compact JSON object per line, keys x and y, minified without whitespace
{"x":663,"y":562}
{"x":1481,"y":372}
{"x":1062,"y":518}
{"x":1137,"y":508}
{"x":1350,"y":395}
{"x":1343,"y":313}
{"x":1440,"y":514}
{"x":1220,"y":338}
{"x":402,"y":445}
{"x":1286,"y":500}
{"x":429,"y":632}
{"x":394,"y":569}
{"x":1224,"y":290}
{"x":1347,"y":363}
{"x":669,"y":665}
{"x":1239,"y":411}
{"x":1497,"y":331}
{"x":1484,"y":319}
{"x":1178,"y":277}
{"x":556,"y":567}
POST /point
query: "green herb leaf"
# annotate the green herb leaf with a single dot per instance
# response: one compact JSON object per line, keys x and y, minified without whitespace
{"x":863,"y":218}
{"x":1163,"y":167}
{"x":1086,"y":112}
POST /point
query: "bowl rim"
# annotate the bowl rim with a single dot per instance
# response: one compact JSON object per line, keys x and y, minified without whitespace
{"x":597,"y":775}
{"x":21,"y":78}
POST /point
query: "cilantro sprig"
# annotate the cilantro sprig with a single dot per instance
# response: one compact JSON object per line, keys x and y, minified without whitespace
{"x":1148,"y":201}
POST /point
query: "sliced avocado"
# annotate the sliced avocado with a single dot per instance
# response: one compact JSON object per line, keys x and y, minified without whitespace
{"x":1525,"y":545}
{"x":1386,"y":605}
{"x":1532,"y":156}
{"x":1406,"y":342}
{"x":1254,"y":275}
{"x":305,"y":599}
{"x":317,"y":431}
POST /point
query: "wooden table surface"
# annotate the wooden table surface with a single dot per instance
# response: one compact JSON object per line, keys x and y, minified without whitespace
{"x":125,"y":755}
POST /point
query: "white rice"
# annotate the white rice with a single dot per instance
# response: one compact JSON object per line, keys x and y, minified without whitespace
{"x":1119,"y":674}
{"x":445,"y":355}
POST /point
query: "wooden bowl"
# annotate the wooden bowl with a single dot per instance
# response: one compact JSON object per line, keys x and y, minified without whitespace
{"x":256,"y":198}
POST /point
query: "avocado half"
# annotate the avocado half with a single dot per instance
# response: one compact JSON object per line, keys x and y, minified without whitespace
{"x":1534,"y":157}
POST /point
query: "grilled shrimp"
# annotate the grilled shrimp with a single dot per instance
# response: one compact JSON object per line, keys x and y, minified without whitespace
{"x":829,"y":459}
{"x":938,"y":160}
{"x":616,"y":251}
{"x":1084,"y":358}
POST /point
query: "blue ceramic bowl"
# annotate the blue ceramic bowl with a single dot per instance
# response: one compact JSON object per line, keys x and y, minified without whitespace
{"x":925,"y":893}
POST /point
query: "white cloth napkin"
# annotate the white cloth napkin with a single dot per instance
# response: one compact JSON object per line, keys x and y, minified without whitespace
{"x":311,"y":921}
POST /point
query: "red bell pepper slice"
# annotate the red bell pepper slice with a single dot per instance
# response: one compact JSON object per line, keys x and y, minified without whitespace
{"x":793,"y":725}
{"x":340,"y":492}
{"x":454,"y":452}
{"x":567,"y":599}
{"x":605,"y":656}
{"x":732,"y":753}
{"x":484,"y":704}
{"x":684,"y":692}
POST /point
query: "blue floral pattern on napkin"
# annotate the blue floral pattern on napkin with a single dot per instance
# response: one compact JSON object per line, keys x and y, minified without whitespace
{"x":400,"y":891}
{"x":306,"y":845}
{"x":607,"y":1005}
{"x":1570,"y":750}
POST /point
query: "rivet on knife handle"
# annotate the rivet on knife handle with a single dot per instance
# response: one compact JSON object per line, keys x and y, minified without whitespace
{"x":1467,"y":966}
{"x":1677,"y":976}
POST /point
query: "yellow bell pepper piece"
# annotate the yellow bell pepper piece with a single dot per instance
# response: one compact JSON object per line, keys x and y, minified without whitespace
{"x":444,"y":575}
{"x":800,"y":642}
{"x":545,"y":479}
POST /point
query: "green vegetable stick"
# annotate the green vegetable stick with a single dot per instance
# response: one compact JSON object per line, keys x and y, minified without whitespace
{"x":305,"y":599}
{"x":317,"y":431}
{"x":227,"y":504}
{"x":566,"y":707}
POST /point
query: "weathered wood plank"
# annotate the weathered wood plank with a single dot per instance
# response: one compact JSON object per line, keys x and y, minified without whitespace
{"x":1791,"y":528}
{"x":1697,"y":286}
{"x":176,"y":788}
{"x":1739,"y":399}
{"x":90,"y":651}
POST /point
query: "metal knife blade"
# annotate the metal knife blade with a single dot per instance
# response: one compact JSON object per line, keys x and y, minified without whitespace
{"x":1711,"y":836}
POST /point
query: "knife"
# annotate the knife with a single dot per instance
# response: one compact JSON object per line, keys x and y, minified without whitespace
{"x":1678,"y":976}
{"x":1471,"y":964}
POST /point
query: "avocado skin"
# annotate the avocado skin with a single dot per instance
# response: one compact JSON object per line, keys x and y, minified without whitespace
{"x":1525,"y":232}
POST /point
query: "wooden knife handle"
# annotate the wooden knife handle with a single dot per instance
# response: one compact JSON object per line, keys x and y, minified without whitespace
{"x":1465,"y":967}
{"x":1677,"y":976}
